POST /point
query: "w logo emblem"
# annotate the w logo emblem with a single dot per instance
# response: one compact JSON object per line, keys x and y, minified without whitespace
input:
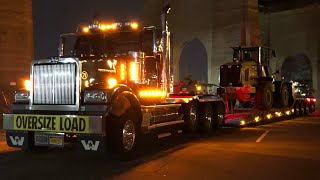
{"x":90,"y":145}
{"x":17,"y":140}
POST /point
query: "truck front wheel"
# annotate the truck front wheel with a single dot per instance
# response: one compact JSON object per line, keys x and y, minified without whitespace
{"x":124,"y":134}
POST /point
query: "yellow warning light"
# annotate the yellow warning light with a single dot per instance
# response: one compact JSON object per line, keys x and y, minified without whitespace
{"x":288,"y":113}
{"x":269,"y":116}
{"x":27,"y":85}
{"x":134,"y":25}
{"x":242,"y":122}
{"x":85,"y":29}
{"x":112,"y":82}
{"x":86,"y":83}
{"x":257,"y":118}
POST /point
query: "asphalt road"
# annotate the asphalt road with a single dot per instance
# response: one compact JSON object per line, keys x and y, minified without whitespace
{"x":288,"y":149}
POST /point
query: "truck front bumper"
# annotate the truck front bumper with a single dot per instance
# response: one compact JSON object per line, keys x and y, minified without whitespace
{"x":28,"y":130}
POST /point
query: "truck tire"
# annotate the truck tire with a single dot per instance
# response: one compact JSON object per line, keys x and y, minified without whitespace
{"x":264,"y":96}
{"x":218,"y":115}
{"x":191,"y":117}
{"x":284,"y":96}
{"x":206,"y":118}
{"x":124,"y":134}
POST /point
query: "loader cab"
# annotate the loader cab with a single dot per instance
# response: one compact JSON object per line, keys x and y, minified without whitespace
{"x":249,"y":64}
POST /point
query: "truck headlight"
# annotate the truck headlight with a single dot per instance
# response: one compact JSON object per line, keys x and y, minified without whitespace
{"x":21,"y":96}
{"x":95,"y":96}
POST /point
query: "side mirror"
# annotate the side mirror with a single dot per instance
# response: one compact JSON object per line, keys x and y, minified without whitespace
{"x":273,"y":53}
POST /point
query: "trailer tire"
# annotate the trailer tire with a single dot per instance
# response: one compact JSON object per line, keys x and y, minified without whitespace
{"x":296,"y":110}
{"x":306,"y":109}
{"x":191,"y":116}
{"x":301,"y":109}
{"x":264,"y":96}
{"x":206,"y":118}
{"x":123,"y":135}
{"x":218,"y":115}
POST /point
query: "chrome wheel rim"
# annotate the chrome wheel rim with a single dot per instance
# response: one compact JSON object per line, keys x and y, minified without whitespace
{"x":193,"y":115}
{"x":128,"y":135}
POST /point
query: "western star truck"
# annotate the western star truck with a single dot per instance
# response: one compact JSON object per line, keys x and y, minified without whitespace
{"x":111,"y":84}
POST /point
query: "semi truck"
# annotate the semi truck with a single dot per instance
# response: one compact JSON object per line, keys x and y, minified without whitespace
{"x":111,"y":84}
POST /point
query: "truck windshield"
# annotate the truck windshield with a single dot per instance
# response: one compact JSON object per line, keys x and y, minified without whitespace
{"x":107,"y":44}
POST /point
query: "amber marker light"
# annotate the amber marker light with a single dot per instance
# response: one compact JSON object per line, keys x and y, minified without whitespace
{"x":85,"y":29}
{"x":86,"y":83}
{"x":199,"y":88}
{"x":257,"y":118}
{"x":242,"y":122}
{"x":269,"y":116}
{"x":134,"y":25}
{"x":288,"y":113}
{"x":112,"y":82}
{"x":27,"y":85}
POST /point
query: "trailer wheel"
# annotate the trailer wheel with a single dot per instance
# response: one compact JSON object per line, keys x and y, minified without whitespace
{"x":301,"y":109}
{"x":124,"y":134}
{"x":284,"y":96}
{"x":218,"y":116}
{"x":191,"y":116}
{"x":206,"y":118}
{"x":296,"y":110}
{"x":264,"y":96}
{"x":306,"y":109}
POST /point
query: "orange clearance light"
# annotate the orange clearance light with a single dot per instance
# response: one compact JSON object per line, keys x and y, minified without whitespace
{"x":269,"y":116}
{"x":151,"y":94}
{"x":103,"y":27}
{"x":134,"y":25}
{"x":199,"y":88}
{"x":242,"y":122}
{"x":113,"y":26}
{"x":288,"y":113}
{"x":85,"y":29}
{"x":112,"y":82}
{"x":27,"y":85}
{"x":86,"y":83}
{"x":257,"y":118}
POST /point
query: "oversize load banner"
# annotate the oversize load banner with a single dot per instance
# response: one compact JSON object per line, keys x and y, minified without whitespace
{"x":54,"y":123}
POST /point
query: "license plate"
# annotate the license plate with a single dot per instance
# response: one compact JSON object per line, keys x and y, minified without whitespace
{"x":56,"y":140}
{"x":40,"y":139}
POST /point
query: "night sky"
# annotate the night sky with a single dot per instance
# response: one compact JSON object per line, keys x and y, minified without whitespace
{"x":52,"y":18}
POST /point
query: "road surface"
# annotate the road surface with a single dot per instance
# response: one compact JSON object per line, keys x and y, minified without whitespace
{"x":288,"y":149}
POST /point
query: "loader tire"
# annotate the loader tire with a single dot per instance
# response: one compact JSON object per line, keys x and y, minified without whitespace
{"x":264,"y":96}
{"x":284,"y":96}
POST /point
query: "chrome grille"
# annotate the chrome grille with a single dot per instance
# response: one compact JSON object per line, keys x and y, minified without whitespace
{"x":54,"y":84}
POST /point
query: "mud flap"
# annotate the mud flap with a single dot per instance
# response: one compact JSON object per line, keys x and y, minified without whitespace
{"x":91,"y":143}
{"x":19,"y":139}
